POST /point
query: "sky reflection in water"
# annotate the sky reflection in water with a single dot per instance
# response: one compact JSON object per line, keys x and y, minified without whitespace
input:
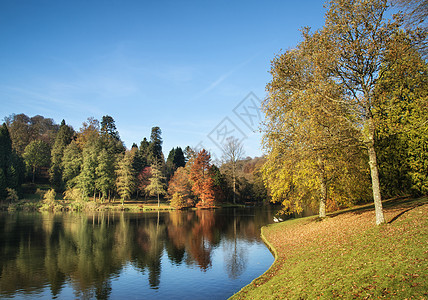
{"x":175,"y":255}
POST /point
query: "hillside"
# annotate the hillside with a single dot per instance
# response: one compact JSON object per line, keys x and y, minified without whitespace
{"x":347,"y":256}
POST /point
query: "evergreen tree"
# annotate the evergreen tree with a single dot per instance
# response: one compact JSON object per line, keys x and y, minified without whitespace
{"x":88,"y":175}
{"x":71,"y":164}
{"x":157,"y":181}
{"x":110,"y":136}
{"x":125,"y":181}
{"x":401,"y":113}
{"x":108,"y":127}
{"x":143,"y":152}
{"x":170,"y":166}
{"x":5,"y":146}
{"x":3,"y":184}
{"x":63,"y":138}
{"x":155,"y":147}
{"x":105,"y":173}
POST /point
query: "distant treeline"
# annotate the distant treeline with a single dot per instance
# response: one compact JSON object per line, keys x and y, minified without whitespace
{"x":93,"y":163}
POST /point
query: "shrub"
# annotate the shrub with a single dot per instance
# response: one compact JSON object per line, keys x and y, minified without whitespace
{"x":12,"y":195}
{"x":178,"y":201}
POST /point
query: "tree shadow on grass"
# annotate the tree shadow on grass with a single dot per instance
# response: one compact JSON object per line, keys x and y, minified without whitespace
{"x":406,"y":203}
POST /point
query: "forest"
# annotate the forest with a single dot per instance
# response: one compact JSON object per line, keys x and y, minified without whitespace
{"x":92,"y":166}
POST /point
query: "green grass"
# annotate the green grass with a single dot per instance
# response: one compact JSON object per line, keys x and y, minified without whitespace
{"x":347,"y":256}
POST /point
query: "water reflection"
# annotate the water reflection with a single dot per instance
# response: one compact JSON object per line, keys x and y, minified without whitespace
{"x":88,"y":252}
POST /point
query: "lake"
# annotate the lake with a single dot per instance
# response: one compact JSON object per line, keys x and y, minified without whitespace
{"x":167,"y":255}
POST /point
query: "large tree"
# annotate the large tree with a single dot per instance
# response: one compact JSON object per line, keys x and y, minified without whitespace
{"x":180,"y":185}
{"x":37,"y":154}
{"x":401,"y":113}
{"x":105,"y":174}
{"x":63,"y":138}
{"x":355,"y":41}
{"x":155,"y":147}
{"x":157,"y":184}
{"x":303,"y":134}
{"x":202,"y":181}
{"x":125,"y":181}
{"x":233,"y":151}
{"x":71,"y":164}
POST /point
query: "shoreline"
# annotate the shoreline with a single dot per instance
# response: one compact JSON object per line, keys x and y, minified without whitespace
{"x":306,"y":250}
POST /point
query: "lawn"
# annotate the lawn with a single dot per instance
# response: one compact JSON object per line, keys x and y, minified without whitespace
{"x":347,"y":256}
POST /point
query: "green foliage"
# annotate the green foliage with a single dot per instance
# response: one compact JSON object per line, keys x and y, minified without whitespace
{"x":178,"y":201}
{"x":125,"y":182}
{"x":71,"y":164}
{"x":37,"y":154}
{"x":105,"y":173}
{"x":174,"y":161}
{"x":108,"y":127}
{"x":5,"y":146}
{"x":157,"y":184}
{"x":155,"y":148}
{"x":12,"y":195}
{"x":401,"y":112}
{"x":88,"y":176}
{"x":62,"y":140}
{"x":74,"y":194}
{"x":24,"y":130}
{"x":49,"y":197}
{"x":11,"y":164}
{"x":3,"y":184}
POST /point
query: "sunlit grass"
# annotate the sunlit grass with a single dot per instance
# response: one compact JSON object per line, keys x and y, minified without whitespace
{"x":347,"y":256}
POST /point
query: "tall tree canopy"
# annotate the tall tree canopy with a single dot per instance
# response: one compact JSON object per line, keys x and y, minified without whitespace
{"x":37,"y":154}
{"x":329,"y":88}
{"x":63,"y":138}
{"x":155,"y":147}
{"x":203,"y":184}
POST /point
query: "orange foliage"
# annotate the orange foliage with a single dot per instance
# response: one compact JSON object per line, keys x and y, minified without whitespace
{"x":203,"y":184}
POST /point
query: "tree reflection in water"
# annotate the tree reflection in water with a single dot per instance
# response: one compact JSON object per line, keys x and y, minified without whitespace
{"x":87,"y":252}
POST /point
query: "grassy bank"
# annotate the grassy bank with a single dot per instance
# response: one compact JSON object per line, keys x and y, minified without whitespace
{"x":347,"y":256}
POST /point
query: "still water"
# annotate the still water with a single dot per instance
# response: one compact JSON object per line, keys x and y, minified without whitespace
{"x":204,"y":254}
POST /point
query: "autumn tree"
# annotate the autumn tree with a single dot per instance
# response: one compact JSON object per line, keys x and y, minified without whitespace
{"x":232,"y":152}
{"x":24,"y":129}
{"x":157,"y":184}
{"x":416,"y":13}
{"x":180,"y":186}
{"x":355,"y":40}
{"x":143,"y":180}
{"x":203,"y":185}
{"x":89,"y":132}
{"x":303,"y":134}
{"x":125,"y":181}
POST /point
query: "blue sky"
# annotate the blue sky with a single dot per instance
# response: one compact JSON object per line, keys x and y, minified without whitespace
{"x":193,"y":68}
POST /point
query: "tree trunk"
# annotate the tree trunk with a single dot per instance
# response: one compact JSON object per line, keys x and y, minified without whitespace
{"x":374,"y":174}
{"x":158,"y":200}
{"x":234,"y":189}
{"x":323,"y":189}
